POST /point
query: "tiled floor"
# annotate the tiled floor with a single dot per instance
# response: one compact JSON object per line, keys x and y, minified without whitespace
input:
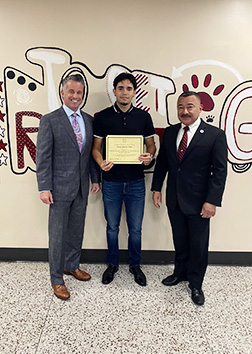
{"x":123,"y":317}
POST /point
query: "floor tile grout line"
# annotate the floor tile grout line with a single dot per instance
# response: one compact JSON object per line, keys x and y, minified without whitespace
{"x":198,"y":318}
{"x":43,"y":327}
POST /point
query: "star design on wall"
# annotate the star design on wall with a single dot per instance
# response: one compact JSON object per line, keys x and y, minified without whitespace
{"x":2,"y":145}
{"x":1,"y":89}
{"x":1,"y":101}
{"x":2,"y":131}
{"x":3,"y":160}
{"x":1,"y":116}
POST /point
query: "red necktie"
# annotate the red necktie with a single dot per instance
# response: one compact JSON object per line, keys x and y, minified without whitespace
{"x":183,"y":144}
{"x":77,"y":131}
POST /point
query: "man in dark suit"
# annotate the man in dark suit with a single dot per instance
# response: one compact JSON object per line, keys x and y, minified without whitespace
{"x":63,"y":165}
{"x":195,"y":156}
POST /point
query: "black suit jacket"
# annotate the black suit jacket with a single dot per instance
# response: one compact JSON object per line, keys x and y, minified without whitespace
{"x":200,"y":176}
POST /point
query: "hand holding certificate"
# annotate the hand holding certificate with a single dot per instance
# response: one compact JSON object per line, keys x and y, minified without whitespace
{"x":124,"y":149}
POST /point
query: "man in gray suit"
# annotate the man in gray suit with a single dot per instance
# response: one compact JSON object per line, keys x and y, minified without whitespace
{"x":63,"y":165}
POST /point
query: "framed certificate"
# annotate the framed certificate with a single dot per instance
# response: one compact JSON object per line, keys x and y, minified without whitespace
{"x":124,"y":149}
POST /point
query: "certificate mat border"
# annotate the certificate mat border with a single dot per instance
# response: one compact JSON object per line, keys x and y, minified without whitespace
{"x":140,"y":137}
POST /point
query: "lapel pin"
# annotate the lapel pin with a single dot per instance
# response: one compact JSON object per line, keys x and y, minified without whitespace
{"x":201,"y":131}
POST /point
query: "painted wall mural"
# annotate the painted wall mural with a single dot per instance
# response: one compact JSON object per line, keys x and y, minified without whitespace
{"x":226,"y":99}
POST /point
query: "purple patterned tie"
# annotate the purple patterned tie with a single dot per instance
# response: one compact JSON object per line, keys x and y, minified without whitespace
{"x":183,"y":144}
{"x":77,"y":131}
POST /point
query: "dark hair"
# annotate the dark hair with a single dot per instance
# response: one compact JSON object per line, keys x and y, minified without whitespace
{"x":125,"y":76}
{"x":190,"y":93}
{"x":73,"y":77}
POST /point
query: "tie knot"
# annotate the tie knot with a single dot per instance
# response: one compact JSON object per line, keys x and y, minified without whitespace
{"x":186,"y":129}
{"x":74,"y":114}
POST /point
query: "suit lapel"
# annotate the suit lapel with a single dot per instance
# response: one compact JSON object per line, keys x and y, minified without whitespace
{"x":174,"y":141}
{"x":64,"y":120}
{"x":87,"y":131}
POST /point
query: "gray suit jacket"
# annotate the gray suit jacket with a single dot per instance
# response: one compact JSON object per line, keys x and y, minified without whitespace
{"x":61,"y":168}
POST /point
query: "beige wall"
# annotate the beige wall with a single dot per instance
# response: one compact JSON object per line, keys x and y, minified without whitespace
{"x":151,"y":38}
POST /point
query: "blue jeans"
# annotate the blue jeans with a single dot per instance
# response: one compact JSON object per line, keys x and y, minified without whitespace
{"x":133,"y":195}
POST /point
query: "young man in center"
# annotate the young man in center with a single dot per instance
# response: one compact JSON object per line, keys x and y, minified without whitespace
{"x":123,"y":182}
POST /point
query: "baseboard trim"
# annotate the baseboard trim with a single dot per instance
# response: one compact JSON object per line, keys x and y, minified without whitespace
{"x":99,"y":256}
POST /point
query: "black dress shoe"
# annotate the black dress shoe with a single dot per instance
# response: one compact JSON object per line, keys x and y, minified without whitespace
{"x":173,"y":280}
{"x":109,"y":273}
{"x":197,"y":296}
{"x":139,"y":276}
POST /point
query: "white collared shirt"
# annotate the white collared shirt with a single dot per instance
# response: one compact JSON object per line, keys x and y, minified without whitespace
{"x":190,"y":133}
{"x":79,"y":118}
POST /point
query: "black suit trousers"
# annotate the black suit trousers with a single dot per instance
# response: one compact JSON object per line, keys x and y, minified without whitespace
{"x":191,"y":240}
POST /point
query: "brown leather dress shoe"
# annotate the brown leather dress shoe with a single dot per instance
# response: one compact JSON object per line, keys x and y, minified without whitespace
{"x":61,"y":292}
{"x":79,"y":274}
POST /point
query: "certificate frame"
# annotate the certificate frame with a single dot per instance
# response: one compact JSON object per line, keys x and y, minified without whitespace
{"x":124,"y":149}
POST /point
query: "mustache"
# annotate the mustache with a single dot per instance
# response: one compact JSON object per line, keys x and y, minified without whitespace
{"x":186,"y":116}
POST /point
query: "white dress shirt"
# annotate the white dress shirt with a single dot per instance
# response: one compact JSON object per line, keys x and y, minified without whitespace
{"x":79,"y":118}
{"x":190,"y":133}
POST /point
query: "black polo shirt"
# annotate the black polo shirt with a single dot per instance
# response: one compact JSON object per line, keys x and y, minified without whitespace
{"x":112,"y":121}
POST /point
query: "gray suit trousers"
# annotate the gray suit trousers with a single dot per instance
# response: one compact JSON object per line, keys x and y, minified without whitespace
{"x":66,"y":228}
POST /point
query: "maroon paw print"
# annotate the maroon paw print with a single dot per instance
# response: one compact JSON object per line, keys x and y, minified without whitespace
{"x":206,"y":99}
